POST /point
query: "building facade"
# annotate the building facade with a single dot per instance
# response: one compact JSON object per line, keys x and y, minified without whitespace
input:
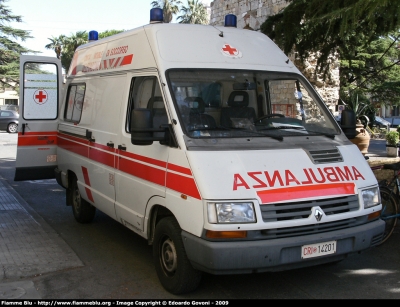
{"x":8,"y":96}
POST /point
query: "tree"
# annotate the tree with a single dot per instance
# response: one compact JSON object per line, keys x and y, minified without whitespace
{"x":65,"y":46}
{"x":56,"y":44}
{"x":194,"y":12}
{"x":373,"y":69}
{"x":109,"y":33}
{"x":358,"y":30}
{"x":10,"y":48}
{"x":169,"y":7}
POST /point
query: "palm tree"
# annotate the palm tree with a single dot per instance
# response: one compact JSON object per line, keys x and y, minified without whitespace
{"x":75,"y":40}
{"x":169,"y":7}
{"x":69,"y":46}
{"x":195,"y":12}
{"x":56,"y":43}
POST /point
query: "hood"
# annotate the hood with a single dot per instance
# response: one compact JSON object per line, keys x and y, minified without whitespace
{"x":272,"y":176}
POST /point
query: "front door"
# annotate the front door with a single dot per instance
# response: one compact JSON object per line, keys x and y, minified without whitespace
{"x":141,"y":169}
{"x":40,"y":84}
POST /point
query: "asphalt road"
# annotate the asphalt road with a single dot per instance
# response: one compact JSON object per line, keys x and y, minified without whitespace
{"x":118,"y":263}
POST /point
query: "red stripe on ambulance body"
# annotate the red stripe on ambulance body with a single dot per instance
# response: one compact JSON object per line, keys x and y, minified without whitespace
{"x":146,"y":168}
{"x":102,"y":154}
{"x":74,"y":144}
{"x":37,"y":138}
{"x":305,"y":191}
{"x":87,"y":182}
{"x":185,"y":185}
{"x":127,"y":60}
{"x":143,"y":171}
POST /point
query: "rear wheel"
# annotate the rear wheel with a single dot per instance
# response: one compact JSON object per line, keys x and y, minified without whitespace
{"x":12,"y":128}
{"x":389,"y":209}
{"x":83,"y":211}
{"x":173,"y":268}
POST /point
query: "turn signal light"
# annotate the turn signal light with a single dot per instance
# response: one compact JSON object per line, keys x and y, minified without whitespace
{"x":374,"y":215}
{"x":226,"y":234}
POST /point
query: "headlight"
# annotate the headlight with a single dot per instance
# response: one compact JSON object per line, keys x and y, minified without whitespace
{"x":230,"y":213}
{"x":371,"y":197}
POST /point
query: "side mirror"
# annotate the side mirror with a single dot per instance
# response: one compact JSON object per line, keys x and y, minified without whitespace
{"x":141,"y":127}
{"x":348,"y":123}
{"x":143,"y":133}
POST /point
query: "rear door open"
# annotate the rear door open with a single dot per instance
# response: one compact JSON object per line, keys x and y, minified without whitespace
{"x":40,"y":93}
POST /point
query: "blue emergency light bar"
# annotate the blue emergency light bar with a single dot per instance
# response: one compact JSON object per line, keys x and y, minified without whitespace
{"x":230,"y":21}
{"x":156,"y":15}
{"x":93,"y":36}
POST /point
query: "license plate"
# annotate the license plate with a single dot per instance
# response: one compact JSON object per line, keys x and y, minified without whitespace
{"x":317,"y":250}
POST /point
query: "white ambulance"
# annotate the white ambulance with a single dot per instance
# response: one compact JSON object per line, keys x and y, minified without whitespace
{"x":206,"y":141}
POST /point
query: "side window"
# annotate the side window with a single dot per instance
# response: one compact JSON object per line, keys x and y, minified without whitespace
{"x":6,"y":114}
{"x":74,"y":106}
{"x":40,"y":88}
{"x":145,"y":93}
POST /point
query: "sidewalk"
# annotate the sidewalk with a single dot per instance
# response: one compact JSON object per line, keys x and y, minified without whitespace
{"x":28,"y":247}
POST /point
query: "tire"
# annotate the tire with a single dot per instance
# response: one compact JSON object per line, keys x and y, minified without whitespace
{"x":389,"y":208}
{"x":174,"y":270}
{"x":83,"y":211}
{"x":12,"y":128}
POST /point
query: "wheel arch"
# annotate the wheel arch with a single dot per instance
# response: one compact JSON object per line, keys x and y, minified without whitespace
{"x":157,"y":213}
{"x":70,"y":177}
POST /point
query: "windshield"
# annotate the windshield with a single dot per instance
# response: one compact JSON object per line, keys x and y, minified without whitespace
{"x":237,"y":103}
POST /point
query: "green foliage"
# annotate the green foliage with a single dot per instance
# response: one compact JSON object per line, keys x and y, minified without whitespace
{"x":195,"y":12}
{"x":392,"y":138}
{"x":169,"y":7}
{"x":65,"y":46}
{"x":10,"y":48}
{"x":109,"y":33}
{"x":360,"y":104}
{"x":364,"y":33}
{"x":373,"y":68}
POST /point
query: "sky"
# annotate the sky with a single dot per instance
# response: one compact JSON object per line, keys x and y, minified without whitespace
{"x":51,"y":18}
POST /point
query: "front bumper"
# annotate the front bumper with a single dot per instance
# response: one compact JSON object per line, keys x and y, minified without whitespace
{"x":278,"y":254}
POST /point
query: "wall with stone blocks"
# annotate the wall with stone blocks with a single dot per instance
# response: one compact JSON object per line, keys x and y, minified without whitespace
{"x":251,"y":14}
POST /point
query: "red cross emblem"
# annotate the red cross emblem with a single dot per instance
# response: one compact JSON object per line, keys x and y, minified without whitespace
{"x":230,"y":51}
{"x":40,"y":96}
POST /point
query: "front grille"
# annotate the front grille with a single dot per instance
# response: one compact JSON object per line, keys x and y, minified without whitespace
{"x":277,"y":233}
{"x":376,"y":239}
{"x":325,"y":156}
{"x":302,"y":210}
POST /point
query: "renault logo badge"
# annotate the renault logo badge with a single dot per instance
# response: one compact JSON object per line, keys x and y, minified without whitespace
{"x":318,"y":215}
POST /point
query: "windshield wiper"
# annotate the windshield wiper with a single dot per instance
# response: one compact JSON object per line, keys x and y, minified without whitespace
{"x":279,"y":138}
{"x":329,"y":135}
{"x":276,"y":137}
{"x":282,"y":127}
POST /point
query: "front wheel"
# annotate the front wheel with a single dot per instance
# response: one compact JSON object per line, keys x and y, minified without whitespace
{"x":389,"y":210}
{"x":12,"y":128}
{"x":173,"y":268}
{"x":83,"y":211}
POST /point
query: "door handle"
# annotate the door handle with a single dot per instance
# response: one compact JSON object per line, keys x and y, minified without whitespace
{"x":23,"y":128}
{"x":122,"y":147}
{"x":110,"y":144}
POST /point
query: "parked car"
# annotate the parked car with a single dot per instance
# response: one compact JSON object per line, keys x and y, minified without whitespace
{"x":381,"y":123}
{"x":9,"y":121}
{"x":12,"y":107}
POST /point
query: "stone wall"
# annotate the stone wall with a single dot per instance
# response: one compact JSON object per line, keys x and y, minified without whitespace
{"x":251,"y":14}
